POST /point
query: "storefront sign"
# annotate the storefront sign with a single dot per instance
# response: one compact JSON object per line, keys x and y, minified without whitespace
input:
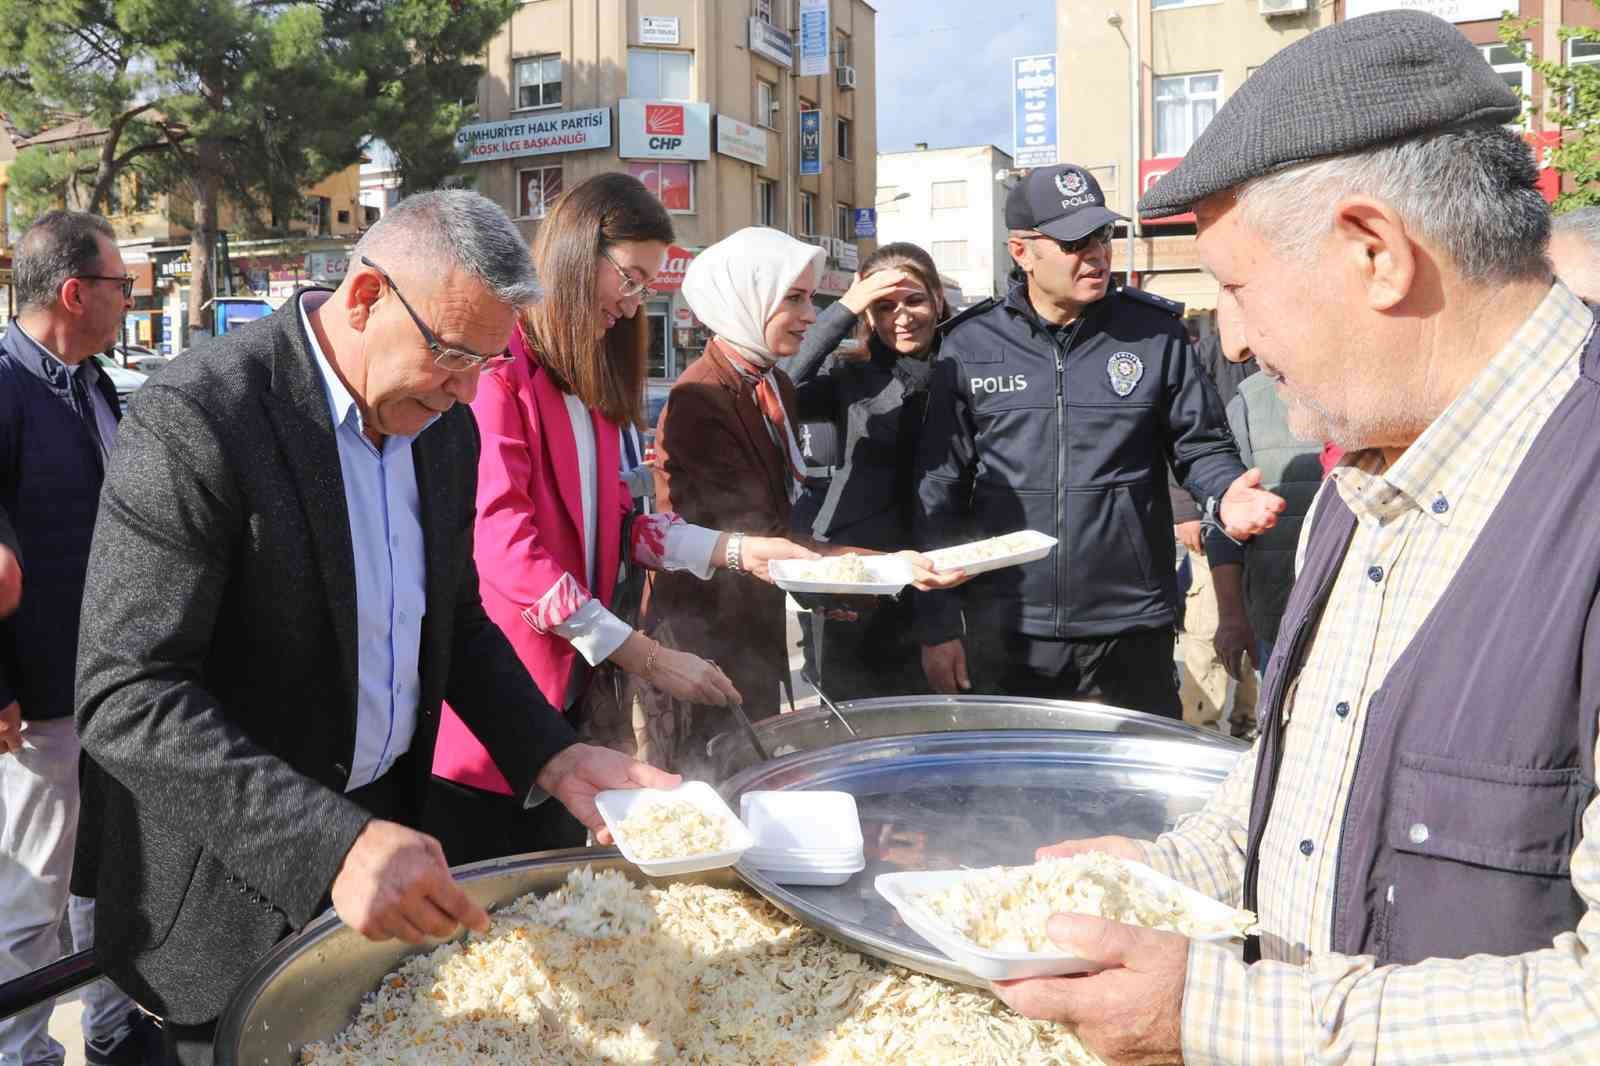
{"x":1449,"y":10}
{"x":571,"y":131}
{"x":1033,"y":111}
{"x":741,"y":140}
{"x":866,"y":222}
{"x":172,"y":266}
{"x":769,"y":41}
{"x":671,"y":277}
{"x":1150,"y":171}
{"x":811,"y":142}
{"x":663,"y":129}
{"x":846,"y":255}
{"x":327,"y":266}
{"x":658,"y":29}
{"x":813,"y":38}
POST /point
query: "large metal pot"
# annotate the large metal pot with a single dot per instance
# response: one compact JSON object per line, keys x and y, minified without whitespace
{"x":312,"y":984}
{"x":893,"y":716}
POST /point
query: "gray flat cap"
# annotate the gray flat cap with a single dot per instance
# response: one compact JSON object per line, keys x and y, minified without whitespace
{"x":1356,"y":84}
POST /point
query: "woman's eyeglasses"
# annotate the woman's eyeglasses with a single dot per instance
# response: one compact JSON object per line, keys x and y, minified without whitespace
{"x":631,"y":287}
{"x":455,"y":360}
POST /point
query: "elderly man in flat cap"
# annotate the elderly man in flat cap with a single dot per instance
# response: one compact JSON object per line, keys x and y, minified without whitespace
{"x":1417,"y":827}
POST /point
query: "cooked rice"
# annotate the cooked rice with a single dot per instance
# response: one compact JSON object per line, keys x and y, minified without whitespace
{"x":846,"y":569}
{"x":954,"y":558}
{"x":719,"y":978}
{"x":672,"y":829}
{"x":1006,"y":908}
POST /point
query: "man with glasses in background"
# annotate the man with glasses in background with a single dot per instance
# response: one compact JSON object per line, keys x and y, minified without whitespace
{"x":1059,"y":408}
{"x":58,"y":424}
{"x":281,"y":594}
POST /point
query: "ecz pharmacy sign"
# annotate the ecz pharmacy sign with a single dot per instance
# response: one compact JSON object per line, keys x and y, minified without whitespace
{"x":570,"y":131}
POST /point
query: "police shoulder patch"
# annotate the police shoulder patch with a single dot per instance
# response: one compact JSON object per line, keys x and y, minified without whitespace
{"x":1171,"y":307}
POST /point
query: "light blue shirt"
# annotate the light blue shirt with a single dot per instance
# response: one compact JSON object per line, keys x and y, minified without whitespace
{"x":380,"y":494}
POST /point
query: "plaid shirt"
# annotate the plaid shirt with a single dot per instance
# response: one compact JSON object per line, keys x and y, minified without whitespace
{"x":1302,"y":1003}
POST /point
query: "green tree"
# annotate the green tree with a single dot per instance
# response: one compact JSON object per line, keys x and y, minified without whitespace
{"x":245,"y":100}
{"x":1573,"y":93}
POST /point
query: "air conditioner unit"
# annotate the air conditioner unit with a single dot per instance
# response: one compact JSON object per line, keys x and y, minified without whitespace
{"x":847,"y":75}
{"x":1270,"y":8}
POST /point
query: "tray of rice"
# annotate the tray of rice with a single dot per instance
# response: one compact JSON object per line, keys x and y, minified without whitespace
{"x":979,"y":556}
{"x":992,"y":922}
{"x":674,"y":831}
{"x":847,"y":574}
{"x":583,"y":964}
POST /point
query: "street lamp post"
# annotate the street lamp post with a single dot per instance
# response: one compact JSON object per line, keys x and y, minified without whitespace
{"x":1135,"y":115}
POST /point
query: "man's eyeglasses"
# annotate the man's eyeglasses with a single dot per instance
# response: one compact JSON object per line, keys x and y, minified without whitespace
{"x":630,"y":286}
{"x":1102,"y":235}
{"x":455,"y":360}
{"x":125,"y":280}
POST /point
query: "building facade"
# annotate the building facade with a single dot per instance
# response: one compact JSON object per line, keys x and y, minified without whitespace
{"x":1191,"y":56}
{"x":709,"y":103}
{"x":950,"y":201}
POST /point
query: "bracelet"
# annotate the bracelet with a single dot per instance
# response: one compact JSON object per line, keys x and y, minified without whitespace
{"x":650,"y":660}
{"x":734,"y":557}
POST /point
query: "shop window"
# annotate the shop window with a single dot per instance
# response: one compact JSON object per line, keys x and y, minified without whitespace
{"x":1185,"y":104}
{"x":537,"y":190}
{"x":659,"y":74}
{"x":538,"y":81}
{"x":672,"y":183}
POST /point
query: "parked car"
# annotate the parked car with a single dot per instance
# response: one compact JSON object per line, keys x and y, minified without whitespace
{"x":126,"y":381}
{"x":138,"y":357}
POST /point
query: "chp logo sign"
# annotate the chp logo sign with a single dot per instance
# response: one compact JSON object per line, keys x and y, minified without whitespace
{"x":671,"y":277}
{"x":664,"y":129}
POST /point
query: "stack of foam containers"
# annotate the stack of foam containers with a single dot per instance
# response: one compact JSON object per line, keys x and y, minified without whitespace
{"x":803,"y":838}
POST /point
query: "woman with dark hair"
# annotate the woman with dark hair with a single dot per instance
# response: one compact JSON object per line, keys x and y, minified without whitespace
{"x":875,"y":402}
{"x":553,"y":512}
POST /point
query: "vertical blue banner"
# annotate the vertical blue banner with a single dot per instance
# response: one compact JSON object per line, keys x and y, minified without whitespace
{"x":813,"y":38}
{"x":811,"y":142}
{"x":1033,"y":115}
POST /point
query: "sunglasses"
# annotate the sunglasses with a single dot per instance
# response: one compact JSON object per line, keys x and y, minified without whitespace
{"x":125,"y":280}
{"x":1100,"y":236}
{"x":630,"y":286}
{"x":455,"y":360}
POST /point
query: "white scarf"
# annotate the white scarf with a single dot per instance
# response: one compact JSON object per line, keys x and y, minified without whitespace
{"x":738,"y":284}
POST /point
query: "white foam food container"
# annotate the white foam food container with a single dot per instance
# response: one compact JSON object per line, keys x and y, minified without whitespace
{"x":617,"y":804}
{"x":887,"y":575}
{"x":798,"y":820}
{"x":1032,"y":546}
{"x":902,"y":889}
{"x":805,"y":875}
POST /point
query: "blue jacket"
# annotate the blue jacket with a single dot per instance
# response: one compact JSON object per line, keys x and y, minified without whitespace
{"x":50,"y":475}
{"x":1067,"y":431}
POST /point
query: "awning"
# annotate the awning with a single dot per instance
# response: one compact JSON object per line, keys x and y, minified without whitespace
{"x":1195,"y":289}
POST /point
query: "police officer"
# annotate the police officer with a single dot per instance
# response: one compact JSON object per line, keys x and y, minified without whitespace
{"x":1059,"y":408}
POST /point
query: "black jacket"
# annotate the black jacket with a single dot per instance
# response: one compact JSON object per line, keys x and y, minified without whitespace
{"x":1226,"y":375}
{"x":870,"y":498}
{"x":1068,"y":431}
{"x":50,"y":476}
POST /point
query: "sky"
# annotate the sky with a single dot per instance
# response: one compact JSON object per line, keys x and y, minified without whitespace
{"x":944,"y":68}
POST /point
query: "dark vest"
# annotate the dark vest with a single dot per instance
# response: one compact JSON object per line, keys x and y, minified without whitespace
{"x":1478,"y":757}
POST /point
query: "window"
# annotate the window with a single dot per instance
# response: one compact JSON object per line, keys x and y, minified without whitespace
{"x":672,"y":183}
{"x":948,"y":194}
{"x":766,"y":104}
{"x":1514,"y":72}
{"x":950,"y":255}
{"x":319,"y":216}
{"x":762,"y":10}
{"x":766,"y":202}
{"x":538,"y":82}
{"x":842,"y":216}
{"x":841,"y":127}
{"x":537,"y":190}
{"x":370,"y":214}
{"x":659,"y":74}
{"x":841,"y":48}
{"x":1185,"y":105}
{"x":808,"y":213}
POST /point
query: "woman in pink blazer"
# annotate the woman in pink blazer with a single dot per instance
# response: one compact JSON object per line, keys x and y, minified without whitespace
{"x":552,"y":505}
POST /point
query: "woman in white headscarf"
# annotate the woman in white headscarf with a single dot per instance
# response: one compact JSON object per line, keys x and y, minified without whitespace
{"x":728,"y":457}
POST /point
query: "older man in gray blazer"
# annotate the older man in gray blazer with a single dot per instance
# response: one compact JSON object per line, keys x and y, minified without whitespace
{"x":281,"y":592}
